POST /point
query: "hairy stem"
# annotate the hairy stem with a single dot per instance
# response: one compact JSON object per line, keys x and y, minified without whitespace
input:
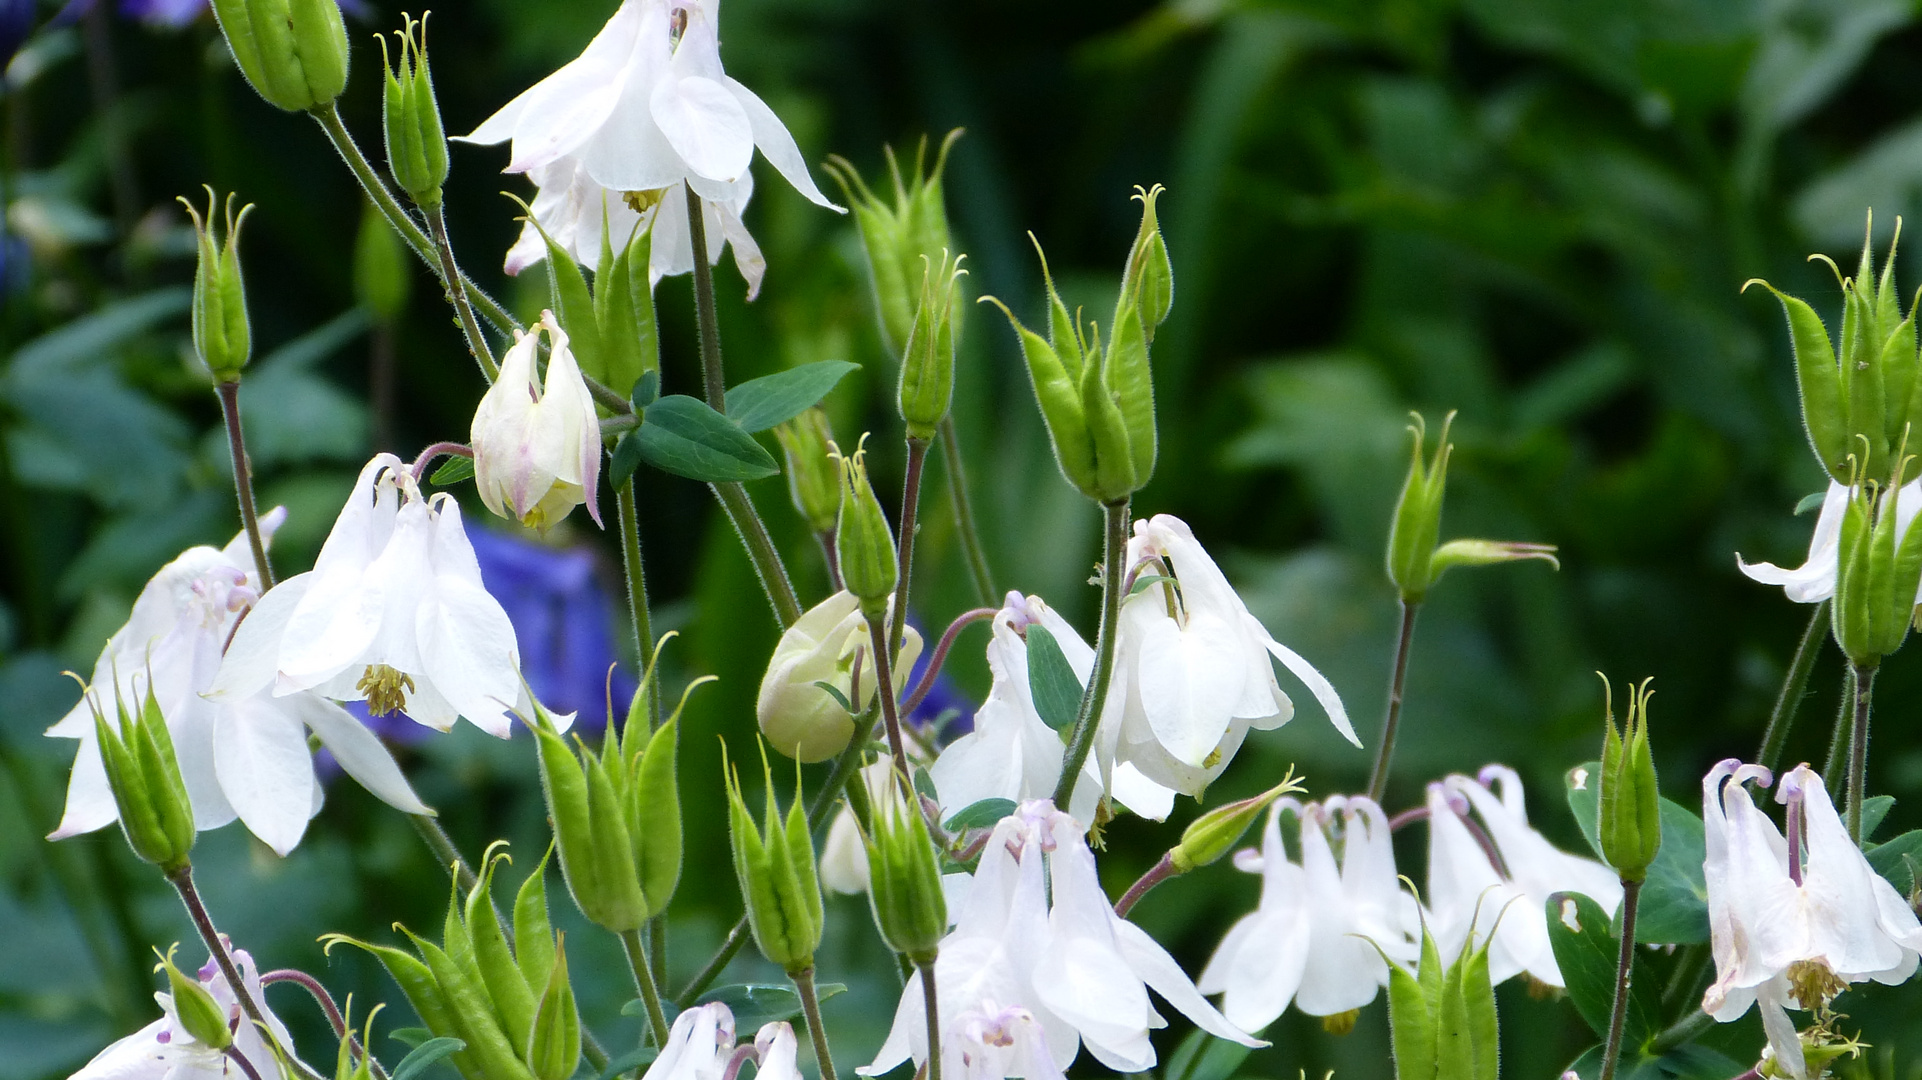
{"x":445,"y":853}
{"x":1624,"y":963}
{"x":811,"y":1007}
{"x":451,"y":278}
{"x":326,"y":1002}
{"x":630,"y":526}
{"x":931,"y":1001}
{"x":644,"y":979}
{"x":1156,"y":874}
{"x":244,"y":480}
{"x":713,"y":378}
{"x":1834,"y":770}
{"x":1391,"y":724}
{"x":1114,"y":550}
{"x":939,"y":657}
{"x":1681,"y":1031}
{"x":1859,"y":748}
{"x":964,"y":514}
{"x":830,"y":557}
{"x":904,"y":548}
{"x":183,"y":883}
{"x":760,"y":551}
{"x":1794,"y":687}
{"x":234,"y":1055}
{"x":884,"y":692}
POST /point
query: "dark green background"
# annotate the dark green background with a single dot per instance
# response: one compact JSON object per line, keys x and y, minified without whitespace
{"x":1538,"y":213}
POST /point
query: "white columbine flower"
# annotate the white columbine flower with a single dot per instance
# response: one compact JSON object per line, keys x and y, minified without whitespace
{"x":244,"y":755}
{"x":1793,"y":921}
{"x":393,"y":612}
{"x":537,"y":449}
{"x":1011,"y":753}
{"x":646,"y":108}
{"x":829,"y":644}
{"x":1023,"y":982}
{"x":1814,"y":580}
{"x":1466,"y":891}
{"x":1193,"y":669}
{"x":700,"y":1046}
{"x":163,"y":1050}
{"x":1313,"y":939}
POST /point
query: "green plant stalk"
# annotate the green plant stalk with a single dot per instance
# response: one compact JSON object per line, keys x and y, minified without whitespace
{"x":244,"y":480}
{"x":841,"y":778}
{"x":452,"y":278}
{"x":644,"y":979}
{"x":761,"y":551}
{"x":1794,"y":687}
{"x":630,"y":525}
{"x":811,"y":1007}
{"x":1834,"y":768}
{"x":904,"y":547}
{"x":442,"y":845}
{"x":1624,"y":968}
{"x":931,"y":1000}
{"x":1114,"y":550}
{"x":713,"y":377}
{"x":326,"y":1002}
{"x":1681,"y":1031}
{"x":1391,"y":724}
{"x":964,"y":515}
{"x":232,"y":1053}
{"x":1859,"y":748}
{"x":183,"y":883}
{"x":884,"y":693}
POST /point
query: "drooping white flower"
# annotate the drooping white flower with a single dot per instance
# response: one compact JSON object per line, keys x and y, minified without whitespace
{"x":537,"y":448}
{"x":829,"y":644}
{"x":163,"y":1050}
{"x":1193,"y":669}
{"x":1012,"y":753}
{"x":1793,"y":920}
{"x":1814,"y":580}
{"x":244,"y":755}
{"x":392,"y":613}
{"x":1315,"y":936}
{"x":1023,"y":982}
{"x":700,"y":1046}
{"x":1466,"y":891}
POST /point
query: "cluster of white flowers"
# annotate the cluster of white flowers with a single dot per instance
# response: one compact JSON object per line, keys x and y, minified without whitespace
{"x":164,"y":1050}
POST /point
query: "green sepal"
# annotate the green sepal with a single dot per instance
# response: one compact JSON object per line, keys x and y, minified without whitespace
{"x":423,"y":992}
{"x":621,"y":904}
{"x":472,"y":1013}
{"x":1148,"y":282}
{"x":1131,"y":381}
{"x":1862,"y":379}
{"x":626,"y":331}
{"x":1468,"y":1047}
{"x":533,"y":933}
{"x":506,"y":984}
{"x":1054,"y":381}
{"x":1819,"y":378}
{"x":1114,"y":471}
{"x":554,"y":1042}
{"x":655,"y":807}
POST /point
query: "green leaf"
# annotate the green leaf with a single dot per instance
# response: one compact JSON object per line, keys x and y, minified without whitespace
{"x":681,"y":435}
{"x":629,"y":1061}
{"x":755,"y":1004}
{"x":453,"y":472}
{"x":1895,"y":860}
{"x":425,"y":1055}
{"x":1201,"y":1056}
{"x":1674,"y":906}
{"x":835,"y":693}
{"x":647,"y":390}
{"x":1810,"y":502}
{"x":976,"y":815}
{"x":1586,"y":952}
{"x":1057,"y":693}
{"x":924,"y":785}
{"x":1143,"y":582}
{"x":625,"y":459}
{"x":1874,"y":809}
{"x":759,"y":404}
{"x":412,"y":1036}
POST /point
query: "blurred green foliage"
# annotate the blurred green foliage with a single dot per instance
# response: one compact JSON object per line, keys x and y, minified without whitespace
{"x":1537,"y":213}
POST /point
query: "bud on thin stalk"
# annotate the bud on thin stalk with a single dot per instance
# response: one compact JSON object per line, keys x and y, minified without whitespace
{"x":774,"y":865}
{"x":904,"y":877}
{"x":814,"y":481}
{"x":862,"y":538}
{"x":199,"y":1013}
{"x":416,"y":143}
{"x":898,"y":237}
{"x":1416,"y":526}
{"x":1629,"y":821}
{"x":223,"y":338}
{"x":1216,"y":832}
{"x":927,"y":361}
{"x":149,"y":793}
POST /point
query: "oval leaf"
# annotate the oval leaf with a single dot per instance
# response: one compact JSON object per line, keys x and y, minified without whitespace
{"x":980,"y":814}
{"x":424,"y":1056}
{"x":759,"y":404}
{"x":1585,"y":950}
{"x":681,"y":435}
{"x":1057,"y":693}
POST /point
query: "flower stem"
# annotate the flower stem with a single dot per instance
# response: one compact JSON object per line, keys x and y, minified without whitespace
{"x":1391,"y":725}
{"x":630,"y":526}
{"x":964,"y":513}
{"x":326,"y":1002}
{"x":904,"y":547}
{"x":830,"y":557}
{"x":244,"y":480}
{"x":436,"y":451}
{"x":1114,"y":550}
{"x":1859,"y":748}
{"x":442,"y":845}
{"x":451,"y":278}
{"x":884,"y":692}
{"x":1624,"y":965}
{"x":931,"y":1000}
{"x":713,"y":378}
{"x":644,"y":978}
{"x":811,"y":1007}
{"x":1834,"y":768}
{"x":940,"y":655}
{"x":233,"y":1054}
{"x":1794,"y":687}
{"x":760,"y":551}
{"x":183,"y":883}
{"x":1156,"y":874}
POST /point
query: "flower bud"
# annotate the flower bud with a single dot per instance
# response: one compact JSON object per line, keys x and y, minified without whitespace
{"x":148,"y":791}
{"x":222,"y":337}
{"x":774,"y":864}
{"x":897,"y":238}
{"x":416,"y":144}
{"x":1216,"y":832}
{"x":1415,"y":563}
{"x":554,"y":1048}
{"x":537,"y":448}
{"x":863,"y":543}
{"x":927,"y":361}
{"x":821,"y":677}
{"x":199,"y":1014}
{"x":1878,"y":574}
{"x":1630,"y":815}
{"x":293,"y":52}
{"x":813,"y":479}
{"x":1149,"y":280}
{"x":382,"y":267}
{"x":904,"y":876}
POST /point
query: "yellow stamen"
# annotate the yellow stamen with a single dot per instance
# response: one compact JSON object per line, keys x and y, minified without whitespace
{"x":386,"y":689}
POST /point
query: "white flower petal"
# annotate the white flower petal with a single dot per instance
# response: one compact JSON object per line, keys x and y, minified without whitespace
{"x":260,"y":755}
{"x":776,"y":144}
{"x":360,"y":752}
{"x":705,"y":125}
{"x":253,"y":659}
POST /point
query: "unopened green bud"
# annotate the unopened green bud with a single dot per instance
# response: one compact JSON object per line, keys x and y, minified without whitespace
{"x":1216,"y":832}
{"x":294,"y":52}
{"x":144,"y":776}
{"x":222,"y":336}
{"x":927,"y":361}
{"x":1878,"y":572}
{"x":1630,"y":817}
{"x":863,"y":543}
{"x":416,"y":144}
{"x":1149,"y":280}
{"x":554,"y":1049}
{"x":813,"y":478}
{"x":590,"y":831}
{"x":904,"y":876}
{"x":1442,"y":1019}
{"x":898,"y":237}
{"x":382,"y":267}
{"x":199,"y":1014}
{"x":1417,"y":523}
{"x":774,"y":864}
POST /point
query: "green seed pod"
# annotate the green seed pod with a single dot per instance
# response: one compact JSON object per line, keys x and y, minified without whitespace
{"x":596,"y":855}
{"x":1416,"y":526}
{"x":774,"y":864}
{"x":904,"y":877}
{"x":1414,"y":1013}
{"x":293,"y":52}
{"x":533,"y":933}
{"x":863,"y":542}
{"x":927,"y":360}
{"x":554,"y":1047}
{"x":223,"y":338}
{"x":383,"y":274}
{"x":898,"y":237}
{"x":1877,"y":575}
{"x":813,"y":479}
{"x":423,"y":993}
{"x":512,"y":994}
{"x":1629,"y":821}
{"x":138,"y":752}
{"x":1216,"y":832}
{"x":1149,"y":280}
{"x":416,"y":143}
{"x":654,"y":812}
{"x":1468,"y":1044}
{"x":472,"y":1013}
{"x":203,"y":1017}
